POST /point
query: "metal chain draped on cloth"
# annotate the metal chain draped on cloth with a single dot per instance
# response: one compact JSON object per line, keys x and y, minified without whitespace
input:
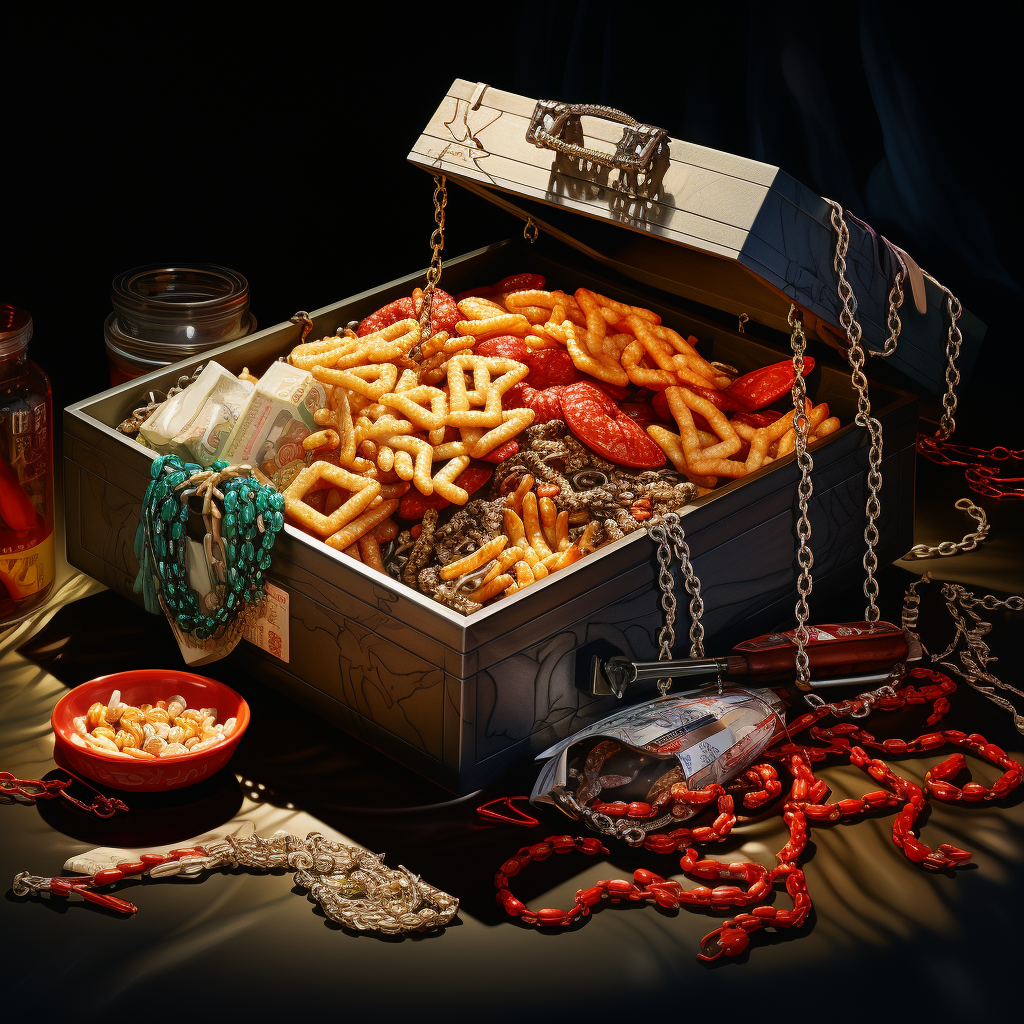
{"x":951,"y":547}
{"x":436,"y":245}
{"x":353,"y":885}
{"x":975,"y":660}
{"x":669,"y":536}
{"x":855,"y":357}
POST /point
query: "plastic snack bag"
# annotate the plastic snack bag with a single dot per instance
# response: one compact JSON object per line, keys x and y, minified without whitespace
{"x":696,"y":738}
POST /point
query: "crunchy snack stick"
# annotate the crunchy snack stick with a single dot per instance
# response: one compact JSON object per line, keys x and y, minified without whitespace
{"x":321,"y":474}
{"x":507,"y":323}
{"x":361,"y":525}
{"x":370,"y":381}
{"x":475,"y":560}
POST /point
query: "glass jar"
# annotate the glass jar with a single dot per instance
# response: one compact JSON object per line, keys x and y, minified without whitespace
{"x":26,"y":472}
{"x":163,"y":314}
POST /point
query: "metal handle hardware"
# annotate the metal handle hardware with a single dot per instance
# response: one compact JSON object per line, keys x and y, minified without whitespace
{"x":612,"y":675}
{"x":554,"y":125}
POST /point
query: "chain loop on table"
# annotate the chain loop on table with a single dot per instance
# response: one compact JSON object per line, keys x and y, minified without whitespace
{"x":864,"y":418}
{"x":950,"y":547}
{"x":974,"y":662}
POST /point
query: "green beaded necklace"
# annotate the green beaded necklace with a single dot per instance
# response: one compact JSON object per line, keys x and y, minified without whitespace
{"x":242,"y":517}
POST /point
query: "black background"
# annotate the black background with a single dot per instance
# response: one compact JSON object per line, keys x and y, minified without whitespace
{"x":272,"y":139}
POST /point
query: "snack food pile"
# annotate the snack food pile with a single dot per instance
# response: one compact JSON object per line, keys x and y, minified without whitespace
{"x":167,"y":728}
{"x":585,"y":415}
{"x":554,"y":422}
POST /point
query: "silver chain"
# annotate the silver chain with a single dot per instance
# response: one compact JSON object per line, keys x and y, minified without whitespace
{"x":805,"y":489}
{"x":856,"y":707}
{"x":668,"y":534}
{"x":950,"y":547}
{"x":974,"y":661}
{"x":855,"y":357}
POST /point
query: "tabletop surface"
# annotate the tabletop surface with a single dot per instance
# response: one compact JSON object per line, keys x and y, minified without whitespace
{"x":882,"y":930}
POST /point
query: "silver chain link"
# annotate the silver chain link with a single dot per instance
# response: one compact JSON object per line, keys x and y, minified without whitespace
{"x":668,"y":534}
{"x":805,"y":489}
{"x":855,"y":357}
{"x":975,"y":660}
{"x":950,"y":547}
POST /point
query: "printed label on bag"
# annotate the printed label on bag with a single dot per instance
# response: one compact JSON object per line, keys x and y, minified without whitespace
{"x":705,"y":752}
{"x":27,"y":571}
{"x":270,"y":631}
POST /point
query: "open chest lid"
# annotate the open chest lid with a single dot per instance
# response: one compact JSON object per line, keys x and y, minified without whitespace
{"x":744,"y":237}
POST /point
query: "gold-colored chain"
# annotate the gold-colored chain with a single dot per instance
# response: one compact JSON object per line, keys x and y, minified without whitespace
{"x":895,"y":302}
{"x":855,"y":357}
{"x":954,"y":547}
{"x":954,"y":339}
{"x":436,"y":245}
{"x":805,"y":488}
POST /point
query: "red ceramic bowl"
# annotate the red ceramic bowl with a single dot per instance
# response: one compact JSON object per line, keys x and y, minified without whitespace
{"x":147,"y":686}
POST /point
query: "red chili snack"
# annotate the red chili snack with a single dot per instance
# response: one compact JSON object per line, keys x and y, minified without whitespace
{"x":508,"y":346}
{"x":414,"y":504}
{"x":515,"y":283}
{"x":546,"y":404}
{"x":549,"y":367}
{"x":720,"y":399}
{"x":761,"y":387}
{"x":400,"y":309}
{"x":595,"y":419}
{"x":615,"y":391}
{"x":758,"y":419}
{"x":502,"y":452}
{"x":641,"y":413}
{"x":444,"y":314}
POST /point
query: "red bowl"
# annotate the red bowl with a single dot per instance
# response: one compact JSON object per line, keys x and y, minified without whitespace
{"x":147,"y":686}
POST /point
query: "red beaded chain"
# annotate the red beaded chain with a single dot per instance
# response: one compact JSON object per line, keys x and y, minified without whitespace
{"x":759,"y":785}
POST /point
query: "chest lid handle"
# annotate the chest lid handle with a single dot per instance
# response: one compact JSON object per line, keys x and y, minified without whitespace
{"x":556,"y":125}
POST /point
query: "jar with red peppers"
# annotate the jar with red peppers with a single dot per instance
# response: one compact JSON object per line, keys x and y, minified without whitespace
{"x":26,"y":471}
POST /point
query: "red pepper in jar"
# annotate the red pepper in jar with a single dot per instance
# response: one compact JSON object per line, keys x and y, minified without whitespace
{"x":16,"y":508}
{"x":761,"y":387}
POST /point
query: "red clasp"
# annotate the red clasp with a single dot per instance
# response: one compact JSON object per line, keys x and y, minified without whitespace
{"x":522,"y":818}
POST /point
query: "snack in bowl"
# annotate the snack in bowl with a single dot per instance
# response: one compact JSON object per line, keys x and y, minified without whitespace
{"x":148,"y":730}
{"x":529,"y":429}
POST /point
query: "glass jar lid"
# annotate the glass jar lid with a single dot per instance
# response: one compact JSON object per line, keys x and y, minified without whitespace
{"x":181,"y":305}
{"x":15,"y":330}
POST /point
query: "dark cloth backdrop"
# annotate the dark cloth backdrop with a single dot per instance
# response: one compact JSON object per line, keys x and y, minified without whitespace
{"x":272,"y":139}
